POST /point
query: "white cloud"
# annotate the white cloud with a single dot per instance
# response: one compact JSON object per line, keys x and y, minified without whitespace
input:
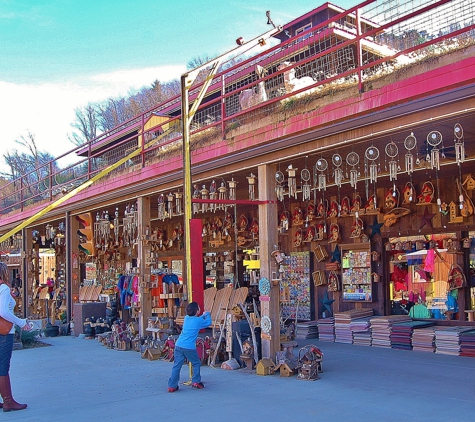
{"x":47,"y":110}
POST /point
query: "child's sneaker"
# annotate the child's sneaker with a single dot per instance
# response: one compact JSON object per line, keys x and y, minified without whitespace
{"x":172,"y":390}
{"x":198,"y":385}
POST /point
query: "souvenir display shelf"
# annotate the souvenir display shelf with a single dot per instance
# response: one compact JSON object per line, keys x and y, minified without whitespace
{"x":296,"y":278}
{"x":356,"y":272}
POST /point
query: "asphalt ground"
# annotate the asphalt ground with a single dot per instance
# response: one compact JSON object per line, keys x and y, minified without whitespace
{"x":81,"y":380}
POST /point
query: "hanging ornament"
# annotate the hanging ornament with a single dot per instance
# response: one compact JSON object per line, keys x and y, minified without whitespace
{"x":321,"y":165}
{"x":371,"y":155}
{"x":392,"y":150}
{"x":292,"y":181}
{"x":232,"y":184}
{"x":337,"y":171}
{"x":252,"y":185}
{"x":410,"y":143}
{"x":459,"y":144}
{"x":213,"y":195}
{"x":196,"y":195}
{"x":305,"y":176}
{"x":434,"y":140}
{"x":170,"y":199}
{"x":353,"y":159}
{"x":279,"y":187}
{"x":161,"y":207}
{"x":204,"y":195}
{"x":116,"y":225}
{"x":178,"y":196}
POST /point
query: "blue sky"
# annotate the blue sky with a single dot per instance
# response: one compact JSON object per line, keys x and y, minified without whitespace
{"x":57,"y":55}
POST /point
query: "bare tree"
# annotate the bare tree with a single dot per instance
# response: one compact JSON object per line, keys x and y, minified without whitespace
{"x":86,"y":124}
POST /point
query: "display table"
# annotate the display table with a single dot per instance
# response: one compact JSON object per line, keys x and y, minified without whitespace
{"x":81,"y":311}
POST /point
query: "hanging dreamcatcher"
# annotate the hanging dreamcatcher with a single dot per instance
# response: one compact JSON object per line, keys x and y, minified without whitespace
{"x":392,"y":151}
{"x":279,"y":187}
{"x":292,"y":182}
{"x":435,"y":148}
{"x":371,"y":155}
{"x":410,"y":143}
{"x":305,"y":176}
{"x":459,"y":144}
{"x":321,"y":165}
{"x":337,"y":171}
{"x":353,"y":159}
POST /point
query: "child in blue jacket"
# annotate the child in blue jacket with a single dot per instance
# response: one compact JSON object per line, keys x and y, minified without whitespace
{"x":185,"y":347}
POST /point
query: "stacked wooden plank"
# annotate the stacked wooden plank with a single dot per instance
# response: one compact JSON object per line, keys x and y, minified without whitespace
{"x":467,"y":343}
{"x":381,"y":328}
{"x":401,"y":334}
{"x":326,"y":329}
{"x":343,"y":333}
{"x":423,"y":340}
{"x":447,"y":340}
{"x":307,"y":330}
{"x":361,"y":330}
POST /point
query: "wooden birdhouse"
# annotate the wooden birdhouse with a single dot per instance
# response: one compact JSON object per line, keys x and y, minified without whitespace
{"x":376,"y":256}
{"x":469,"y":183}
{"x":265,"y":367}
{"x":453,"y":217}
{"x":287,"y":369}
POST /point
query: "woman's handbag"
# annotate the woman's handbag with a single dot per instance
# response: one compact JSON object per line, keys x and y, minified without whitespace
{"x":5,"y":326}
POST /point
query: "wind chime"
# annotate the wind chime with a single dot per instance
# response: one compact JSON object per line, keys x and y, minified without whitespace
{"x":232,"y":184}
{"x":204,"y":195}
{"x":170,"y":200}
{"x":161,"y":207}
{"x":392,"y":151}
{"x":178,"y":196}
{"x":292,"y":181}
{"x":371,"y":155}
{"x":213,"y":195}
{"x":279,"y":187}
{"x":410,"y":143}
{"x":434,"y":139}
{"x":433,"y":152}
{"x":305,"y":176}
{"x":337,"y":170}
{"x":353,"y":159}
{"x":251,"y":180}
{"x":130,"y":224}
{"x":116,"y":226}
{"x":459,"y":144}
{"x":321,"y":165}
{"x":102,"y":229}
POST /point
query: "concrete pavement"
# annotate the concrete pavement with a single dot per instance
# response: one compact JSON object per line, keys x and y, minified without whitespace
{"x":81,"y":380}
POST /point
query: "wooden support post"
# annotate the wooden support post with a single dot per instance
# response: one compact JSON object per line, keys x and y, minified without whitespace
{"x":143,"y":208}
{"x":268,"y":237}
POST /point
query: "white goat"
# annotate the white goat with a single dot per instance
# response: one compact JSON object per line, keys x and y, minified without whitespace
{"x":255,"y":95}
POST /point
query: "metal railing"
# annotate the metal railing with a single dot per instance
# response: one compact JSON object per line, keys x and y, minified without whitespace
{"x":349,"y":50}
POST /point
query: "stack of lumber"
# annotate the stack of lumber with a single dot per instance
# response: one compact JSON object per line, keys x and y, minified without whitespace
{"x":343,"y":333}
{"x":307,"y":330}
{"x":467,"y":343}
{"x":381,"y":328}
{"x":401,"y":334}
{"x":361,"y":329}
{"x":326,"y":329}
{"x":447,"y":340}
{"x":423,"y":340}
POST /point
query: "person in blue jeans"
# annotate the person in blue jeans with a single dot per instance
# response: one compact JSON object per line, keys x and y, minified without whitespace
{"x":185,"y":347}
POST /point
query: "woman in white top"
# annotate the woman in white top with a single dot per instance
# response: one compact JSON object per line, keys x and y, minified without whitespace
{"x":7,"y":304}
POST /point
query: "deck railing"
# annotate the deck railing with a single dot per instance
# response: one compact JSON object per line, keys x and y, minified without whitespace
{"x":351,"y":49}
